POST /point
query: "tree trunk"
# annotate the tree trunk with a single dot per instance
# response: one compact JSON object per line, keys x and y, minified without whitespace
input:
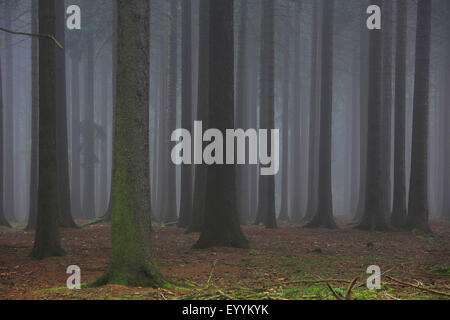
{"x":284,"y":211}
{"x":76,"y":145}
{"x":170,"y":207}
{"x":418,"y":194}
{"x":186,"y":121}
{"x":8,"y":108}
{"x":32,"y":216}
{"x":131,"y":261}
{"x":266,"y":205}
{"x":47,"y":241}
{"x":62,"y":148}
{"x":374,"y":216}
{"x":296,"y":191}
{"x":399,"y":213}
{"x":386,"y":124}
{"x":364,"y":87}
{"x":313,"y":117}
{"x":88,"y":133}
{"x":324,"y":215}
{"x":221,"y":223}
{"x":241,"y":105}
{"x":3,"y":219}
{"x":202,"y":115}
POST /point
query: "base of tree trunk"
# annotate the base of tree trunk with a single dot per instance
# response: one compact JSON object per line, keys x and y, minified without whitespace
{"x":4,"y":222}
{"x":320,"y":221}
{"x":146,"y":276}
{"x":417,"y":224}
{"x":283,"y":216}
{"x":225,"y":238}
{"x":41,"y":253}
{"x":370,"y":224}
{"x":398,"y":220}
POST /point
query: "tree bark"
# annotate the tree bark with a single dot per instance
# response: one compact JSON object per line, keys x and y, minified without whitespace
{"x":32,"y":215}
{"x":284,"y":210}
{"x":170,"y":205}
{"x":266,"y":206}
{"x":202,"y":115}
{"x":313,"y":117}
{"x":186,"y":105}
{"x":418,"y":193}
{"x":47,"y":241}
{"x":131,"y":261}
{"x":399,"y":213}
{"x":324,"y":215}
{"x":221,"y":223}
{"x":62,"y":148}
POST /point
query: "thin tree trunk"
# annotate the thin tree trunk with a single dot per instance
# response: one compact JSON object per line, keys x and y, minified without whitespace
{"x":418,"y":194}
{"x":186,"y":121}
{"x":313,"y":117}
{"x":89,"y":158}
{"x":170,"y":206}
{"x":398,"y":218}
{"x":284,"y":211}
{"x":266,"y":205}
{"x":8,"y":114}
{"x":62,"y":148}
{"x":296,"y":128}
{"x":202,"y":115}
{"x":32,"y":216}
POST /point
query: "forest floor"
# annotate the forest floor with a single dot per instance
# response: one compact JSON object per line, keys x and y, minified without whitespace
{"x":287,"y":263}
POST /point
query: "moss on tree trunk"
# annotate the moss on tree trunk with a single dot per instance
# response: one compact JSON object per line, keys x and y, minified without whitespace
{"x":131,"y":261}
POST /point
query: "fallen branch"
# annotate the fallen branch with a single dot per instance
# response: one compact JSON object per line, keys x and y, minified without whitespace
{"x":349,"y":289}
{"x":335,"y":294}
{"x":418,"y":287}
{"x":47,"y":36}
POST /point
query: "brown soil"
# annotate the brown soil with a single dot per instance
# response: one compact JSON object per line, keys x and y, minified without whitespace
{"x":287,"y":263}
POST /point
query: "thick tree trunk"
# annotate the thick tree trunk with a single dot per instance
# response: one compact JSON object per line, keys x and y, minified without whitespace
{"x":131,"y":261}
{"x":186,"y":105}
{"x":374,"y":216}
{"x":398,"y":218}
{"x":221,"y":223}
{"x":324,"y":215}
{"x":418,"y":194}
{"x":266,"y":204}
{"x":47,"y":239}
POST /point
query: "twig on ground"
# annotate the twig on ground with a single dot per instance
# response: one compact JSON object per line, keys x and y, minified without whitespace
{"x":211,"y":274}
{"x":349,"y":289}
{"x":418,"y":287}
